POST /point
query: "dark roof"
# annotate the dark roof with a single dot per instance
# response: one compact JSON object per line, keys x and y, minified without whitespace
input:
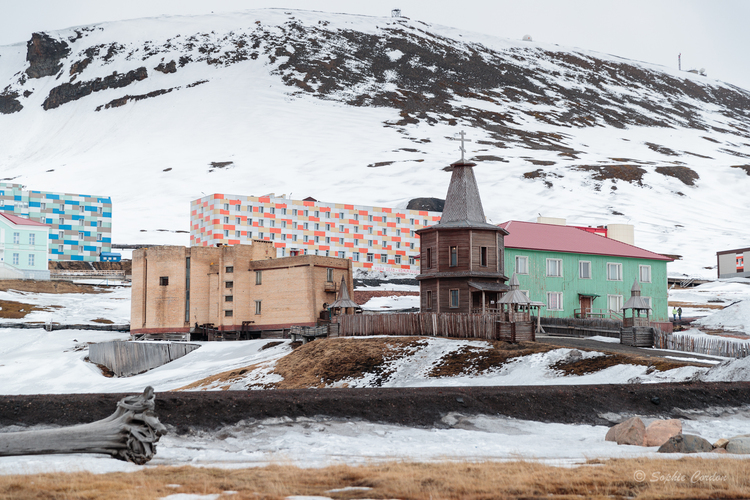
{"x":570,"y":239}
{"x":463,"y":206}
{"x":489,"y":287}
{"x":343,"y":299}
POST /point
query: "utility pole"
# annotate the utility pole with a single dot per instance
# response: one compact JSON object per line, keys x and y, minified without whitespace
{"x":679,"y":61}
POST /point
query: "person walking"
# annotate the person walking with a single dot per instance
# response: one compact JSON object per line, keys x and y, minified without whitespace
{"x":674,"y":314}
{"x":679,"y":313}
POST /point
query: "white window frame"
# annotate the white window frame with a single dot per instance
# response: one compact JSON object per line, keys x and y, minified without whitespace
{"x":618,"y":303}
{"x":31,"y":260}
{"x":555,"y":301}
{"x":613,"y":266}
{"x":16,"y":258}
{"x":525,"y":265}
{"x":559,"y":264}
{"x":641,"y":269}
{"x":580,"y":269}
{"x":32,"y":239}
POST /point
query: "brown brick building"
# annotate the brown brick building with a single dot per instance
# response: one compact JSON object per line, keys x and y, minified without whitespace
{"x":176,"y":288}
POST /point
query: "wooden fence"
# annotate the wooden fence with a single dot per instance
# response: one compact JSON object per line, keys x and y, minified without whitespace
{"x":475,"y":326}
{"x":716,"y":346}
{"x":582,"y":327}
{"x":126,"y":358}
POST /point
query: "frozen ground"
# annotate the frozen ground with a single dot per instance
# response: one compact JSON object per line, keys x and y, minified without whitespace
{"x":74,"y":308}
{"x":321,"y":441}
{"x":40,"y":362}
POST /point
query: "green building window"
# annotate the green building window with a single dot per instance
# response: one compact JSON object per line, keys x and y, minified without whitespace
{"x":554,"y":268}
{"x":554,"y":301}
{"x":584,"y":269}
{"x":614,"y":271}
{"x":522,"y":265}
{"x":645,"y":274}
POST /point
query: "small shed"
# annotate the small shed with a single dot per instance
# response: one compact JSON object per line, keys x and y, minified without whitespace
{"x":110,"y":257}
{"x":514,"y":321}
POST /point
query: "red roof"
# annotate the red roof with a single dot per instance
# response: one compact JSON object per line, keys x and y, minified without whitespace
{"x":21,"y":221}
{"x":569,"y":239}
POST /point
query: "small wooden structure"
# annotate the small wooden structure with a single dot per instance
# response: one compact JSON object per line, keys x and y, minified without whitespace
{"x":343,"y":302}
{"x":461,"y":257}
{"x":514,"y":321}
{"x":636,"y":329}
{"x":129,"y":434}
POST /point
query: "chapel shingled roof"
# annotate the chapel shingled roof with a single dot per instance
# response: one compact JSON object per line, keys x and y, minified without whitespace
{"x":463,"y":205}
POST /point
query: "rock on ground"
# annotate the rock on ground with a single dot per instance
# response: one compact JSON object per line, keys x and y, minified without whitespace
{"x":659,"y":431}
{"x":632,"y":431}
{"x":686,"y":443}
{"x":739,"y":446}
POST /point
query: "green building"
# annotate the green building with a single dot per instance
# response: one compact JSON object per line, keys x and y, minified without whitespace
{"x":23,"y":248}
{"x":577,"y":273}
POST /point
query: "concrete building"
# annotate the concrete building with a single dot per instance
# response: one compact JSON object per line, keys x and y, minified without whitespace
{"x":176,"y":288}
{"x":80,"y":225}
{"x":23,"y":248}
{"x":731,"y":263}
{"x":377,"y":238}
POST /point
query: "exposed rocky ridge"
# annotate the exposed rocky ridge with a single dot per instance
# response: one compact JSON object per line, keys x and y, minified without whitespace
{"x":555,"y":131}
{"x":44,"y":55}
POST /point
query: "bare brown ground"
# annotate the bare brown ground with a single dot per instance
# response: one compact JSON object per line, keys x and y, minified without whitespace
{"x":685,"y":478}
{"x":16,"y":310}
{"x":324,"y":362}
{"x":51,"y":286}
{"x":592,"y":365}
{"x":677,"y":303}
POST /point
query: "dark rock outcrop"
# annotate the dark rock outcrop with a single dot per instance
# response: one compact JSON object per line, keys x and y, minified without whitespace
{"x":9,"y":103}
{"x":68,"y":92}
{"x":431,"y":204}
{"x":44,"y":54}
{"x":170,"y":67}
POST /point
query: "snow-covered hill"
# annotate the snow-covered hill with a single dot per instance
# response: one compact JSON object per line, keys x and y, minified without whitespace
{"x":359,"y":109}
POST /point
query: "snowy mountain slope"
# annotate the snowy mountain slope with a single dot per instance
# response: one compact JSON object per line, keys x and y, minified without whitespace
{"x":307,"y":103}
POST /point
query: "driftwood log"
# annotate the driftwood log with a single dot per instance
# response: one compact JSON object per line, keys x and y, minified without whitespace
{"x":129,"y":434}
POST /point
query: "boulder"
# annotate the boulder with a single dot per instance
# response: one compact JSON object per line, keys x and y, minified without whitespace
{"x":685,"y":443}
{"x":659,"y":431}
{"x":721,"y":443}
{"x":739,"y":446}
{"x":632,"y":431}
{"x":719,"y":450}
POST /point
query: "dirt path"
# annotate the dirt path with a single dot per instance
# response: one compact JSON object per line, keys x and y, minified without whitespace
{"x":590,"y":404}
{"x":593,"y":345}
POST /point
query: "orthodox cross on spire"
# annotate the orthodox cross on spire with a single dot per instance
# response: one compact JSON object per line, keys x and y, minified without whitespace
{"x":462,"y":139}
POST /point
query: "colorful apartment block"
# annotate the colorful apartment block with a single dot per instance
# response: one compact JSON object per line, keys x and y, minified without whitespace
{"x":80,"y":225}
{"x":377,"y":238}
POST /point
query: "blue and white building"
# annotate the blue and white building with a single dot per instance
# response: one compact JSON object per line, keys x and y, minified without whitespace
{"x":80,"y":226}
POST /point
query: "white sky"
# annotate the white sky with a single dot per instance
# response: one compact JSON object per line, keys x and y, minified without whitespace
{"x":710,"y":34}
